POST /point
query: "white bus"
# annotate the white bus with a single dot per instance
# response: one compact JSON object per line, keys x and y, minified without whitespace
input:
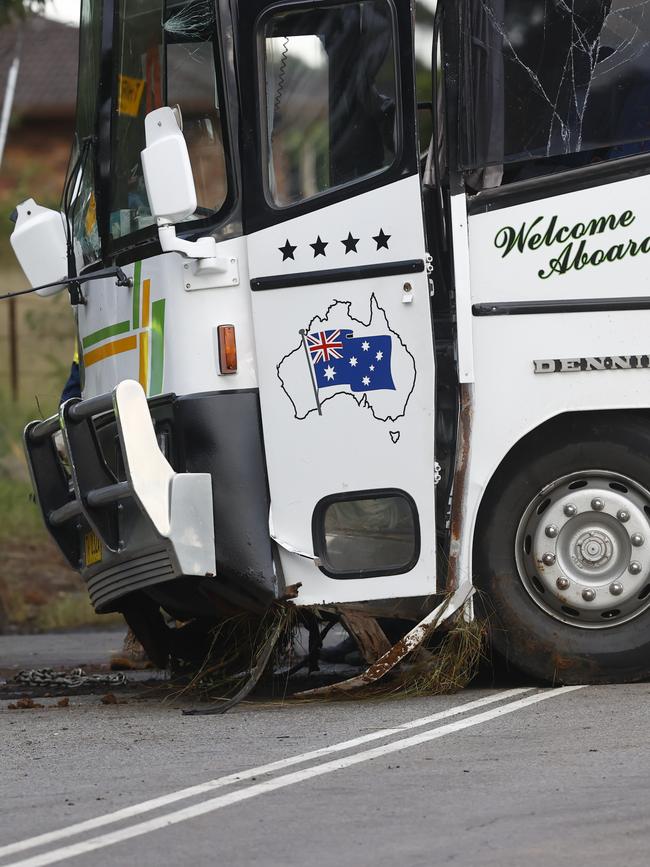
{"x":346,"y":348}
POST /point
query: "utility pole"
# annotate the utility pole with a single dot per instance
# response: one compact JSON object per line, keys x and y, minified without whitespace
{"x":7,"y":106}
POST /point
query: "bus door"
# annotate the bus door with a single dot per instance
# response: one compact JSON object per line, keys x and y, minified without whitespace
{"x":340,"y":296}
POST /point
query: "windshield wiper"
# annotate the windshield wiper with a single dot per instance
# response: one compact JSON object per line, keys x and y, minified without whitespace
{"x":73,"y":283}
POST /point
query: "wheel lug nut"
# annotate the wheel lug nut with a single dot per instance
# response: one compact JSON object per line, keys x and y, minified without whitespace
{"x":548,"y":559}
{"x":635,"y":568}
{"x":589,"y":595}
{"x":623,"y":516}
{"x":563,"y":583}
{"x":551,"y":531}
{"x":570,"y":511}
{"x":616,"y":589}
{"x":597,"y":504}
{"x":637,"y":540}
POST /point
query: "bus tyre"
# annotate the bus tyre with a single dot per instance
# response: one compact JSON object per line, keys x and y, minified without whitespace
{"x":562,"y":552}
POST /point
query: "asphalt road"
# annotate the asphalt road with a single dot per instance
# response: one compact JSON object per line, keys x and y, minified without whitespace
{"x":514,"y":776}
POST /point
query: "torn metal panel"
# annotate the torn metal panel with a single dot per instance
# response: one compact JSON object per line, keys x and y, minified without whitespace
{"x":412,"y":641}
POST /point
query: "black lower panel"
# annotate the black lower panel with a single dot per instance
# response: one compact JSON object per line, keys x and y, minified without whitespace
{"x":220,"y":434}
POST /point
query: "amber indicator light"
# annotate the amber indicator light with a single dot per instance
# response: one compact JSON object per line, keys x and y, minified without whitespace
{"x":227,"y":349}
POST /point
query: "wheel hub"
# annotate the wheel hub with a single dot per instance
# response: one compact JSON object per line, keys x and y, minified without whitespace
{"x":593,"y":549}
{"x":581,"y":549}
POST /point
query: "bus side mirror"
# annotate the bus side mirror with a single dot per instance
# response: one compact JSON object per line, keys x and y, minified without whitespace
{"x":167,"y":168}
{"x":39,"y":243}
{"x":171,"y":190}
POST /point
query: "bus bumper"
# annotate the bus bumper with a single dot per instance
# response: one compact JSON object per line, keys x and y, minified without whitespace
{"x":126,"y":530}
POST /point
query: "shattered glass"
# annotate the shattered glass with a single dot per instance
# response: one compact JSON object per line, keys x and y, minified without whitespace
{"x":561,"y":79}
{"x":194,"y":20}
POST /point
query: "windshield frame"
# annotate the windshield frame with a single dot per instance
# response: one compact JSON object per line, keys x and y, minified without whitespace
{"x":144,"y":242}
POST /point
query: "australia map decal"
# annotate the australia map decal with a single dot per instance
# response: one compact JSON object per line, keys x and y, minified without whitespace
{"x":337,"y":354}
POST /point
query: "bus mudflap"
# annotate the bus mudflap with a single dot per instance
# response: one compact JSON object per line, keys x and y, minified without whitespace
{"x":128,"y":531}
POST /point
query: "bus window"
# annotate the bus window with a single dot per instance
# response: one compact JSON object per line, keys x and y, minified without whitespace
{"x":331,"y":93}
{"x":366,"y":534}
{"x":424,"y":15}
{"x":553,"y":86}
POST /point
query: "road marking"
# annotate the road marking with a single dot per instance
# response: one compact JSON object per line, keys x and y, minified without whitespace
{"x":239,"y":795}
{"x":241,"y":776}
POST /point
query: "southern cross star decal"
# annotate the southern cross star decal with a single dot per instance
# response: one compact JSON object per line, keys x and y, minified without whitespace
{"x":287,"y":251}
{"x":382,"y":240}
{"x":319,"y":247}
{"x":350,"y":244}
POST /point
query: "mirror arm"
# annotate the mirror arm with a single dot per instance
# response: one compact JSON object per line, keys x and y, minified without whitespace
{"x":204,"y":249}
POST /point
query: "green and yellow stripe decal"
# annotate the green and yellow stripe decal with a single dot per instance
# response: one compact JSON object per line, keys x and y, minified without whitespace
{"x":148,"y":321}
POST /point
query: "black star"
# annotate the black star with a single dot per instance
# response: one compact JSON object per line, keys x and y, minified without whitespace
{"x":287,"y":251}
{"x":382,"y":239}
{"x":350,"y":244}
{"x":319,"y":247}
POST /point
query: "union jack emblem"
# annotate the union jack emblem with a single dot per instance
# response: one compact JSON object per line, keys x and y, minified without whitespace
{"x":325,"y":345}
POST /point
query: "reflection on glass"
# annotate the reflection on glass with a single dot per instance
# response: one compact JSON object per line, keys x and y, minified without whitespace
{"x":369,"y":535}
{"x":330,"y":97}
{"x":424,"y":17}
{"x":192,"y":84}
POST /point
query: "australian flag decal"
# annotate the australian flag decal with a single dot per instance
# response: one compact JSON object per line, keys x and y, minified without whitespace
{"x":362,"y":363}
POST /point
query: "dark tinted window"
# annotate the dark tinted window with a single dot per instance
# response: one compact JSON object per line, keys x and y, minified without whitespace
{"x":367,"y":534}
{"x":550,"y":80}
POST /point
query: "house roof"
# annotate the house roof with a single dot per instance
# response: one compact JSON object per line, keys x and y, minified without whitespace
{"x":47,"y":81}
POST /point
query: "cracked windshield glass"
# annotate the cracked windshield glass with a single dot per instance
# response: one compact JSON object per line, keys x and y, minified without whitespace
{"x":556,"y":80}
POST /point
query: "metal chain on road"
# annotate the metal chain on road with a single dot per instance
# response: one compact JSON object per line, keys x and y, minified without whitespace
{"x":74,"y":678}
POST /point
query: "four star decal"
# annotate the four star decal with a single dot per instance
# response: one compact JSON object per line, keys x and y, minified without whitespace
{"x":319,"y":246}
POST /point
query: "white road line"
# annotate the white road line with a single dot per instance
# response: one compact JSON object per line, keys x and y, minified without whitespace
{"x":241,"y":776}
{"x":239,"y":795}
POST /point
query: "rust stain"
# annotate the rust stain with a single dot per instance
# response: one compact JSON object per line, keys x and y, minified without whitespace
{"x":459,"y":487}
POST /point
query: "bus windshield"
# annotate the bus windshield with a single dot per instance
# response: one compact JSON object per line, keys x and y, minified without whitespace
{"x":166,"y":54}
{"x":84,"y":213}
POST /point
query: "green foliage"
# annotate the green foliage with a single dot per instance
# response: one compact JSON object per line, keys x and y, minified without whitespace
{"x":20,"y":516}
{"x":12,"y":10}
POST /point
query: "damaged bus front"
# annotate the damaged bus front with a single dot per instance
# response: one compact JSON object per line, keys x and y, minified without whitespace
{"x":362,"y":318}
{"x":256,"y":418}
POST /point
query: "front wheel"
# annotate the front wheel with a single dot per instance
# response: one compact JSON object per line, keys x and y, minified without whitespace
{"x":562,"y":552}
